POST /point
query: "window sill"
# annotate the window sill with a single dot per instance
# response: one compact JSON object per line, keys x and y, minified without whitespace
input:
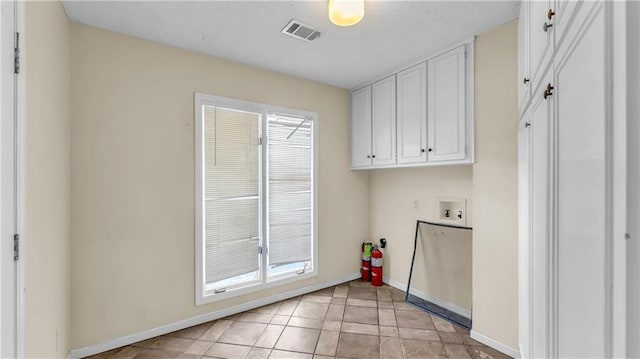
{"x":211,"y":297}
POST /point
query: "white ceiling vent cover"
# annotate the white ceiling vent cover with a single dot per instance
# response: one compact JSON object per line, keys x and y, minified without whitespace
{"x":300,"y":31}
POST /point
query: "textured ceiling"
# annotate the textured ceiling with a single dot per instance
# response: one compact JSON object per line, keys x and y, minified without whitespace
{"x":392,"y":35}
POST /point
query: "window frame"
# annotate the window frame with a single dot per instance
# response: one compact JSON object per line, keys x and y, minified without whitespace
{"x":204,"y":296}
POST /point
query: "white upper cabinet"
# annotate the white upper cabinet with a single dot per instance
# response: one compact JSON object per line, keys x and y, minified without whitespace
{"x":412,"y":114}
{"x":384,"y":122}
{"x":447,"y":106}
{"x":361,"y":128}
{"x":524,"y":75}
{"x":396,"y":120}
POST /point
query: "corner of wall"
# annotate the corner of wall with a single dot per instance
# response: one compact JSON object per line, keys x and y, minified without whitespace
{"x":47,"y":179}
{"x":495,"y":232}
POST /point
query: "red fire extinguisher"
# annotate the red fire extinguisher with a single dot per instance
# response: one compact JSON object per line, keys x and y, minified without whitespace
{"x":376,"y":266}
{"x":366,"y":261}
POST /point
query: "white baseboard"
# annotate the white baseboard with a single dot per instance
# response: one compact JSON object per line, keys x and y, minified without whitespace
{"x":490,"y":342}
{"x":422,"y":295}
{"x":199,"y":319}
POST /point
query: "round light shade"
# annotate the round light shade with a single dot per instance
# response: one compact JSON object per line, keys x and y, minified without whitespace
{"x":346,"y":12}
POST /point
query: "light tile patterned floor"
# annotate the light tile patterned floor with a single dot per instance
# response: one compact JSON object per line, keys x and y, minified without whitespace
{"x":352,"y":320}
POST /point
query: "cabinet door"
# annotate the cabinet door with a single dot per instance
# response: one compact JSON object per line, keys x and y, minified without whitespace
{"x":447,"y":106}
{"x":384,"y":122}
{"x":539,"y":240}
{"x":584,"y":190}
{"x":524,"y":77}
{"x":524,"y":232}
{"x":412,"y":114}
{"x":361,"y":128}
{"x":541,"y":39}
{"x":562,"y":12}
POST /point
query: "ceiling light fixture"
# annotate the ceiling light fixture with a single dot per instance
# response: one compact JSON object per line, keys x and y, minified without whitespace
{"x":346,"y":12}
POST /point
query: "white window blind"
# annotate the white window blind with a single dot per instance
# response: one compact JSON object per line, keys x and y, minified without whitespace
{"x":289,"y":168}
{"x":231,"y":193}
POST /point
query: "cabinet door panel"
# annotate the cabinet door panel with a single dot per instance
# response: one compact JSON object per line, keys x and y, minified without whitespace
{"x":540,"y":213}
{"x":524,"y":232}
{"x":412,"y":114}
{"x":384,"y":122}
{"x":565,"y":10}
{"x":361,"y":128}
{"x":583,"y":196}
{"x":524,"y":77}
{"x":447,"y":106}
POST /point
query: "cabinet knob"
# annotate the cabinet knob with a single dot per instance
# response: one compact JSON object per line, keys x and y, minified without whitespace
{"x":373,"y":156}
{"x":368,"y":156}
{"x":422,"y":150}
{"x":550,"y":14}
{"x":525,"y":80}
{"x":527,"y":124}
{"x":546,"y":26}
{"x":548,"y":91}
{"x":431,"y":150}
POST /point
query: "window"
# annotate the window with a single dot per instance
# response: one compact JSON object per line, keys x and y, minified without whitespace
{"x":255,"y":196}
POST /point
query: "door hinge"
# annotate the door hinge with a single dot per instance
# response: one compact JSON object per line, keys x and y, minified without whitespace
{"x":16,"y":247}
{"x":16,"y":55}
{"x":260,"y":141}
{"x":262,"y":250}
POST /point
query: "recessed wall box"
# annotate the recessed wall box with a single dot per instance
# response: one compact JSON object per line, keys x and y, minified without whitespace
{"x":452,"y":211}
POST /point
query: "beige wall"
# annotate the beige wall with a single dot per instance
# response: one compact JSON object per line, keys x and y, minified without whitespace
{"x":132,"y":199}
{"x":495,"y":232}
{"x":490,"y":189}
{"x":392,"y":215}
{"x":46,"y":55}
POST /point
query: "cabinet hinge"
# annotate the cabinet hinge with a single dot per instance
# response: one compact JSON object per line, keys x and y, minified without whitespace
{"x":16,"y":247}
{"x":260,"y":141}
{"x":16,"y":55}
{"x":262,"y":250}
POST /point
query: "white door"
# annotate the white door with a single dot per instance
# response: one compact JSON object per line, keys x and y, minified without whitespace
{"x":361,"y":128}
{"x":412,"y":114}
{"x":8,"y":191}
{"x":446,"y":106}
{"x":583,"y":188}
{"x":539,"y":274}
{"x":384,"y":122}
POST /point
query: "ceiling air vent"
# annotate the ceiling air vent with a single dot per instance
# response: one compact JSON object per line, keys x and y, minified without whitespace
{"x":300,"y":31}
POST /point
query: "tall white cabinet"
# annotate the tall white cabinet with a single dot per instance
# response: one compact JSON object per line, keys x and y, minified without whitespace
{"x":420,"y":116}
{"x":566,"y":192}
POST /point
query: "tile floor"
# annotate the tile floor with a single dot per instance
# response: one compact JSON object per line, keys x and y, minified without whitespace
{"x":352,"y":320}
